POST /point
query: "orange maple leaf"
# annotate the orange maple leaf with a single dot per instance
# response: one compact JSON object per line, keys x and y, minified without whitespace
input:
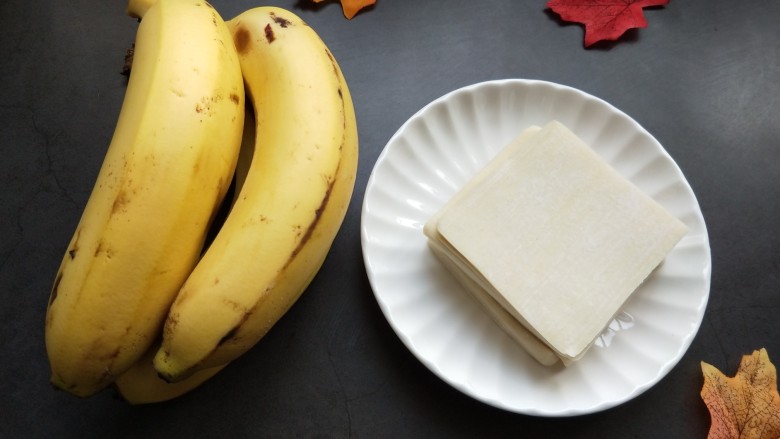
{"x":351,"y":7}
{"x":746,"y":406}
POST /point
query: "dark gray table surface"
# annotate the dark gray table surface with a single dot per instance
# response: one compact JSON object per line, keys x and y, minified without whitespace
{"x":703,"y":78}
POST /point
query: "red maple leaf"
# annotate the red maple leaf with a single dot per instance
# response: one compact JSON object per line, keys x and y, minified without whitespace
{"x":604,"y":19}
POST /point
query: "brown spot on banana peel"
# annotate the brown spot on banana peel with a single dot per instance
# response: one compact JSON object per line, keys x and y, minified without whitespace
{"x":206,"y":104}
{"x":102,"y":247}
{"x":333,"y":65}
{"x":241,"y":39}
{"x":170,"y":324}
{"x":127,"y":66}
{"x":269,"y":33}
{"x":283,"y":22}
{"x":242,"y":36}
{"x":234,"y":97}
{"x":119,"y":202}
{"x":234,"y":305}
{"x":230,"y":334}
{"x":75,"y":247}
{"x":317,"y":216}
{"x":73,"y":251}
{"x":56,"y":288}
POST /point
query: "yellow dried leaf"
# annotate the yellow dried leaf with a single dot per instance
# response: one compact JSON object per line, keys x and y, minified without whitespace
{"x":351,"y":7}
{"x":746,"y":406}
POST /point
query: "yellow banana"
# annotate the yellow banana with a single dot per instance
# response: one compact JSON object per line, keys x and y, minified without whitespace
{"x":290,"y":207}
{"x":167,"y":169}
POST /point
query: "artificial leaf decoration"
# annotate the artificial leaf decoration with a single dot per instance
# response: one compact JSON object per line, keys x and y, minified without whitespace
{"x":351,"y":7}
{"x":746,"y":406}
{"x":604,"y":19}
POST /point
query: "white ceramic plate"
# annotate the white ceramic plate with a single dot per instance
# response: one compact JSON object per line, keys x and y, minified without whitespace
{"x":429,"y":158}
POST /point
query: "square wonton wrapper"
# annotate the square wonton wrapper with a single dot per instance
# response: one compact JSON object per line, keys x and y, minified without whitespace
{"x":555,"y":237}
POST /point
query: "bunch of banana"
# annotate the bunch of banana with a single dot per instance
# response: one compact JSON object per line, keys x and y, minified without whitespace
{"x":137,"y":302}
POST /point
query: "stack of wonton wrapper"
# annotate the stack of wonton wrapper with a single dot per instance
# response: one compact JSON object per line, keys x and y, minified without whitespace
{"x":551,"y":241}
